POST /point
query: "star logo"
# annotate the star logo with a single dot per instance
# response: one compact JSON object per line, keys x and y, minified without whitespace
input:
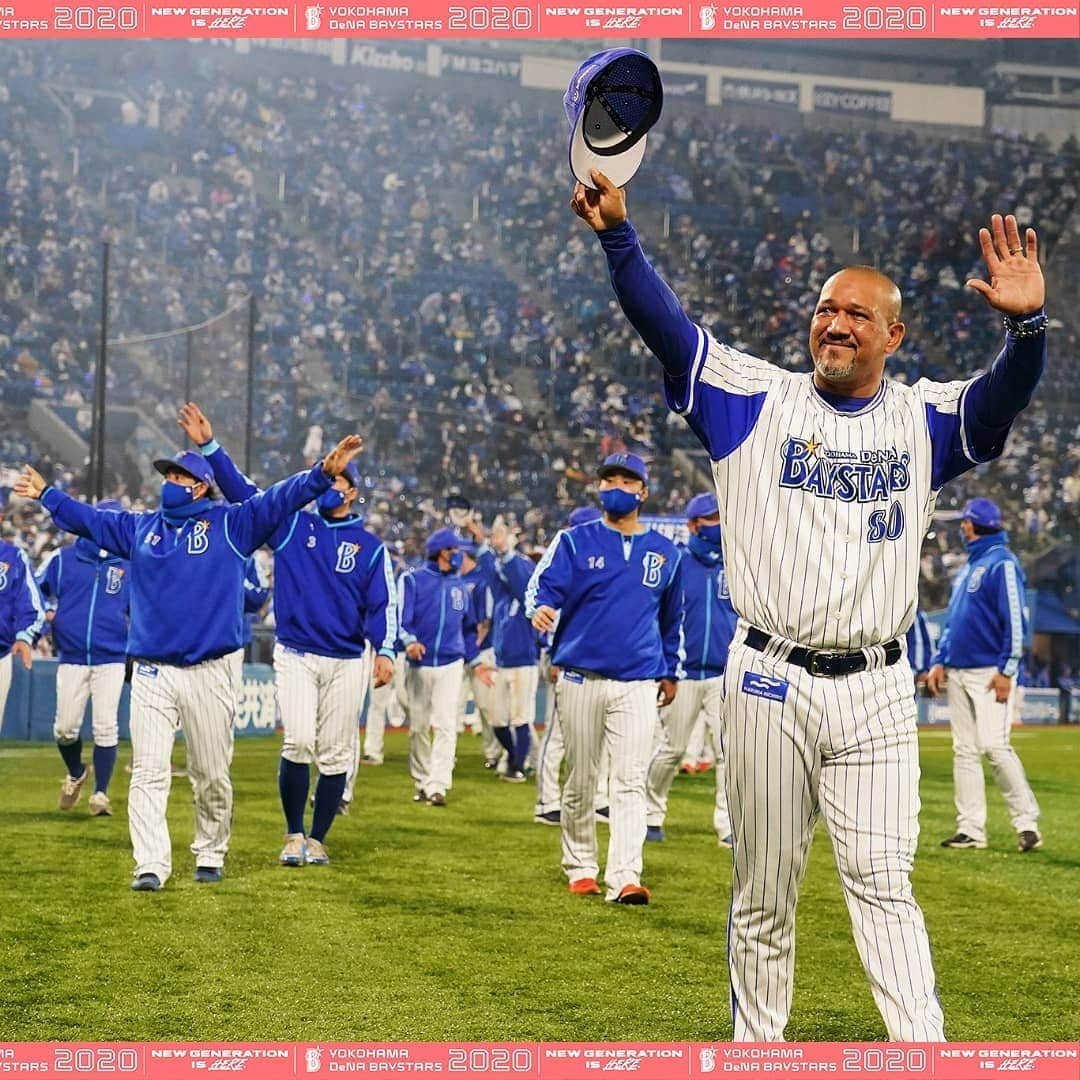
{"x":812,"y":446}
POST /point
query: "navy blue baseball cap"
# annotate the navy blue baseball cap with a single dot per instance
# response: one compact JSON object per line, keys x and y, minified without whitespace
{"x":351,"y":473}
{"x":440,"y":540}
{"x":624,"y":463}
{"x":195,"y":465}
{"x":611,"y":102}
{"x":468,"y":545}
{"x":583,"y":515}
{"x":703,"y":505}
{"x":982,"y":512}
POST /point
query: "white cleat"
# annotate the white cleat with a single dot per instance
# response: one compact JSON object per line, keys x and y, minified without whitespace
{"x":100,"y":805}
{"x":294,"y":851}
{"x":316,"y":853}
{"x":71,"y":790}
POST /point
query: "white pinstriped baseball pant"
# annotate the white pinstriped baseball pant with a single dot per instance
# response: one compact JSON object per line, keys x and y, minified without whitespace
{"x":696,"y":698}
{"x":75,"y":683}
{"x":595,"y":714}
{"x":201,"y":701}
{"x":980,"y":725}
{"x":431,"y":705}
{"x":483,"y":705}
{"x":382,"y":703}
{"x":320,"y":698}
{"x":847,"y":749}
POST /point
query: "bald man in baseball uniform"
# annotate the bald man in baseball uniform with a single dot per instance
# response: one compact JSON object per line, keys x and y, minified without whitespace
{"x":977,"y":662}
{"x":334,"y":604}
{"x":708,"y":626}
{"x":826,"y":482}
{"x":86,"y":589}
{"x":188,"y":561}
{"x":610,"y":594}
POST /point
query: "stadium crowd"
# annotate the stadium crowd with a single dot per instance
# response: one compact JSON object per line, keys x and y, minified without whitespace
{"x":426,"y":278}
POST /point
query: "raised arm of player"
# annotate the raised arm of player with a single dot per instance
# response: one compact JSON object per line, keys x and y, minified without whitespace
{"x":250,"y":523}
{"x":235,"y":486}
{"x":976,"y":430}
{"x":113,"y":530}
{"x":652,"y":308}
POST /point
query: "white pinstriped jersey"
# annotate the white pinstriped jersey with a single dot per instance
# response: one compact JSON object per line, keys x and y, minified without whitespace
{"x":823,"y":511}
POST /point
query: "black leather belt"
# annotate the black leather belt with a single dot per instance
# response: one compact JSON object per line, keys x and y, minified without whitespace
{"x":819,"y":662}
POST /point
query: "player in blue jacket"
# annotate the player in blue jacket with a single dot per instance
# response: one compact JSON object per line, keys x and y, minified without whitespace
{"x":919,"y":649}
{"x":979,"y":653}
{"x":333,"y":594}
{"x":611,"y":594}
{"x":516,"y":646}
{"x":708,"y":627}
{"x":86,"y":588}
{"x":22,"y":616}
{"x":477,"y":569}
{"x":438,"y":629}
{"x":187,"y":591}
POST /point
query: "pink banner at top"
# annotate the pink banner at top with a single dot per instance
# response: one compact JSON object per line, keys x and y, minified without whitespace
{"x":521,"y":19}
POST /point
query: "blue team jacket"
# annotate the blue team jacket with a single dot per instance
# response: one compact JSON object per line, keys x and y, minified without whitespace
{"x":619,"y":603}
{"x":986,"y":619}
{"x":918,"y":644}
{"x":437,"y":610}
{"x":333,"y":583}
{"x":187,"y":566}
{"x":709,"y":619}
{"x":90,"y":590}
{"x":516,"y":642}
{"x":22,"y":617}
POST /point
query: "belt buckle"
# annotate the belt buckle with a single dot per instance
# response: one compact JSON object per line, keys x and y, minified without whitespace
{"x":812,"y":664}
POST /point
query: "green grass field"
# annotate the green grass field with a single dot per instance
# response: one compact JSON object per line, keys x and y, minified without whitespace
{"x":455,"y":924}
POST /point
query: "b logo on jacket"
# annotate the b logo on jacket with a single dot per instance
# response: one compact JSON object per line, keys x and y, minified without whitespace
{"x":114,"y":579}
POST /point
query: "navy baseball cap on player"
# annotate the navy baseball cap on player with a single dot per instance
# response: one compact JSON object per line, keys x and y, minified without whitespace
{"x":624,"y":463}
{"x":703,"y":505}
{"x":195,"y":465}
{"x":982,"y":512}
{"x":440,"y":540}
{"x":351,"y":473}
{"x":611,"y":102}
{"x":583,"y":515}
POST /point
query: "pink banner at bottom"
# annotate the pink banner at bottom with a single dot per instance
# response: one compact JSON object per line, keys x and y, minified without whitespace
{"x":543,"y":1061}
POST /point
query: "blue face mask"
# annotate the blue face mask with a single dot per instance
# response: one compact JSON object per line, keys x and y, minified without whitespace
{"x":331,"y":499}
{"x":455,"y":561}
{"x":709,"y":533}
{"x":618,"y":503}
{"x":174,"y":495}
{"x":708,"y":552}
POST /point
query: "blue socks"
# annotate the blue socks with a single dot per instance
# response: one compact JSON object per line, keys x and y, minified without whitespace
{"x":293,"y":781}
{"x":522,"y":740}
{"x":104,"y":763}
{"x":72,"y":755}
{"x":328,"y":792}
{"x":506,"y":740}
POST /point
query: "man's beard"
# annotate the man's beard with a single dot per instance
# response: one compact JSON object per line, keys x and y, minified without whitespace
{"x":835,"y":371}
